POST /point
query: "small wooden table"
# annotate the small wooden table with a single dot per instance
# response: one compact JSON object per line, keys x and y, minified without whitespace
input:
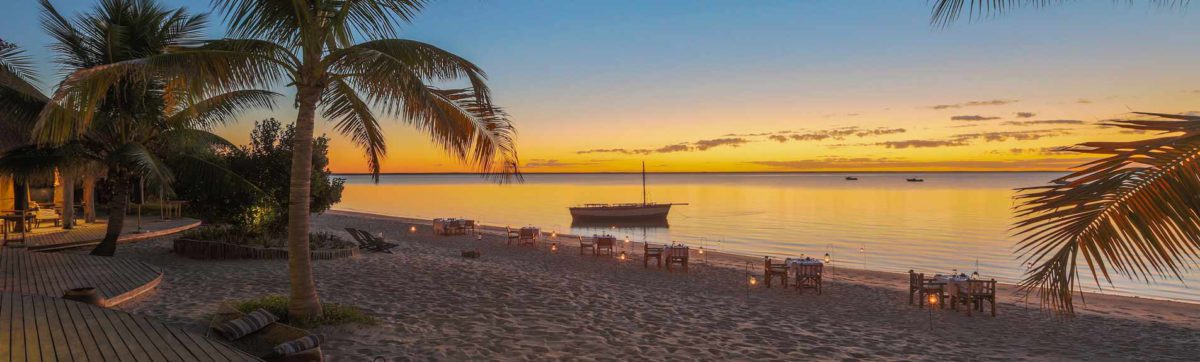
{"x":9,"y":220}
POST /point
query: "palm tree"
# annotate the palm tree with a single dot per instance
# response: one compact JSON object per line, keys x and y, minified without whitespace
{"x":124,"y":122}
{"x":312,"y":46}
{"x":1133,"y":212}
{"x":20,"y":102}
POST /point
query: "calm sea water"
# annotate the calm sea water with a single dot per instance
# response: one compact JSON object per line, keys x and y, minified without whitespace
{"x":880,"y":222}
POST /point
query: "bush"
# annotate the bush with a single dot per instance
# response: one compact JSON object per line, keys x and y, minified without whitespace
{"x":257,"y":196}
{"x":335,"y":314}
{"x":239,"y":235}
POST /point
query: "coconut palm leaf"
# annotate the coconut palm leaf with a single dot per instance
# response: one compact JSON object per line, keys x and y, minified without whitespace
{"x":946,"y":12}
{"x":217,"y":110}
{"x":33,"y":160}
{"x":355,"y":120}
{"x":1132,"y":213}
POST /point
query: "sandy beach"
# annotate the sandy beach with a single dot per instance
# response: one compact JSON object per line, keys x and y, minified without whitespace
{"x":520,"y":303}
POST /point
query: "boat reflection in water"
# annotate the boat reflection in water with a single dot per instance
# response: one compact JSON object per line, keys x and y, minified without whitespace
{"x":598,"y":225}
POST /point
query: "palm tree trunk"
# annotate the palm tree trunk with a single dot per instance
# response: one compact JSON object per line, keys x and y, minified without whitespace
{"x":68,"y":209}
{"x":116,"y":214}
{"x":21,"y":204}
{"x":304,"y":302}
{"x":89,"y":198}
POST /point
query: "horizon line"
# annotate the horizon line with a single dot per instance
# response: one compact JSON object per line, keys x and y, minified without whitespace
{"x":699,"y":172}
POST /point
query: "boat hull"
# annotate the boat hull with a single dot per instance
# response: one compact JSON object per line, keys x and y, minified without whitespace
{"x":623,"y":212}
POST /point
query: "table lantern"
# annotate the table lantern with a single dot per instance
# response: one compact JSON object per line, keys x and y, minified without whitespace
{"x":553,"y":246}
{"x":933,"y":300}
{"x":622,"y":256}
{"x":753,"y":280}
{"x":412,"y":229}
{"x":827,"y":258}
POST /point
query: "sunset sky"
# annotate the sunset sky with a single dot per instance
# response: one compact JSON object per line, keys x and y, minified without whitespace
{"x":780,"y":85}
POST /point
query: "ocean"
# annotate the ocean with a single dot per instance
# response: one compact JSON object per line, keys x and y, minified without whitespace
{"x":952,"y":221}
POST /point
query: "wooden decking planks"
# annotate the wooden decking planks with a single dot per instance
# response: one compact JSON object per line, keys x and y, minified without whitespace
{"x":38,"y":328}
{"x":55,"y":238}
{"x":52,"y":274}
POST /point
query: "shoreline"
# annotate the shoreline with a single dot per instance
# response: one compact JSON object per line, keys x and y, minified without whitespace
{"x":524,"y":303}
{"x":738,"y":261}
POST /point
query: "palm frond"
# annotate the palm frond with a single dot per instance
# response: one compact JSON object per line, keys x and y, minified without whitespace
{"x":34,"y":161}
{"x":429,"y":63}
{"x":355,"y":120}
{"x":1132,"y":213}
{"x":137,"y":158}
{"x":220,"y":109}
{"x":946,"y":12}
{"x":185,"y":141}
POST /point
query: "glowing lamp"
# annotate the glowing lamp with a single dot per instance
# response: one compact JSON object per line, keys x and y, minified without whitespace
{"x":554,"y":234}
{"x":412,"y":229}
{"x":933,"y":299}
{"x":622,"y":256}
{"x":701,"y":250}
{"x":553,"y":246}
{"x":753,"y":280}
{"x":827,"y":259}
{"x":627,"y":239}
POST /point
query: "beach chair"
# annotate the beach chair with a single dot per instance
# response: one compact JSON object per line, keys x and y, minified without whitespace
{"x":652,"y":252}
{"x":922,"y":287}
{"x":676,"y":255}
{"x":528,"y":236}
{"x":771,"y":270}
{"x":513,"y":235}
{"x":375,"y":243}
{"x":365,"y":242}
{"x":809,"y":276}
{"x":980,"y":292}
{"x":45,"y":214}
{"x":605,"y":243}
{"x":584,"y":244}
{"x":259,"y":343}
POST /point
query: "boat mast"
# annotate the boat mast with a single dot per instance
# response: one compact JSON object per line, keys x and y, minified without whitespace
{"x":643,"y":183}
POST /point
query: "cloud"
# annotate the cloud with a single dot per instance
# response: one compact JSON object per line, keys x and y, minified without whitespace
{"x":1012,"y":135}
{"x":841,"y":163}
{"x":993,"y":102}
{"x":538,"y":163}
{"x":613,"y":150}
{"x":1025,"y":114}
{"x":973,"y":118}
{"x":779,"y":138}
{"x":1041,"y":151}
{"x":682,"y":147}
{"x":1043,"y":122}
{"x":1083,"y":101}
{"x":922,"y":143}
{"x":704,"y":145}
{"x":836,"y":133}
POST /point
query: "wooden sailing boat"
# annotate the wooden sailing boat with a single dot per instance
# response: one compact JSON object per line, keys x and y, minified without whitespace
{"x":645,"y":211}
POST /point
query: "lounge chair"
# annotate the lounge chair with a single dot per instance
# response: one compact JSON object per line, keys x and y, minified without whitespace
{"x":259,"y":343}
{"x":368,"y":242}
{"x":771,"y":270}
{"x":652,"y":252}
{"x":584,"y":244}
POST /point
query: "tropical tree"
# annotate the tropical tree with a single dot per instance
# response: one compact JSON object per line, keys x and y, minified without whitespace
{"x":20,"y":101}
{"x":1135,"y":212}
{"x":343,"y":59}
{"x":125,"y":122}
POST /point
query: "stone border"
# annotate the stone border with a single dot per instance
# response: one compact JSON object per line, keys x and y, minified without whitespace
{"x":207,"y":250}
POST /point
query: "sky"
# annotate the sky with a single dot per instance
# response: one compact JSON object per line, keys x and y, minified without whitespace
{"x":710,"y":86}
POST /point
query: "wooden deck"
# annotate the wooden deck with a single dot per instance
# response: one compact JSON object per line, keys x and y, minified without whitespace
{"x":52,"y":274}
{"x":36,"y":328}
{"x":55,"y":238}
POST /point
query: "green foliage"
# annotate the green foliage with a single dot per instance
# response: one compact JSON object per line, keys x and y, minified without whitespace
{"x":335,"y":314}
{"x":240,"y":235}
{"x":265,"y":164}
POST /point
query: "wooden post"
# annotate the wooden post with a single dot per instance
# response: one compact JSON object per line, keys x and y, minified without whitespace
{"x":68,"y":210}
{"x":89,"y":198}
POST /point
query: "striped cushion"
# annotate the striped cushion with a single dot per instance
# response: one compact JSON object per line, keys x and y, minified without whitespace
{"x":247,"y":324}
{"x":299,"y":345}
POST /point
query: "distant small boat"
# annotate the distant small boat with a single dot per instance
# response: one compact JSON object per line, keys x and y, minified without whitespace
{"x":915,"y":179}
{"x":851,"y":178}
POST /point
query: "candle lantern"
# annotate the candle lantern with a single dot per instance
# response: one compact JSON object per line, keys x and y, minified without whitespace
{"x":753,"y":280}
{"x":553,"y":246}
{"x":701,"y":250}
{"x":412,"y":229}
{"x":622,"y":256}
{"x":933,"y":300}
{"x":827,"y":259}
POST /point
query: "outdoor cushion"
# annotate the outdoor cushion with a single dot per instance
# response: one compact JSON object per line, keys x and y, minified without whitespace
{"x":299,"y":345}
{"x":240,"y":327}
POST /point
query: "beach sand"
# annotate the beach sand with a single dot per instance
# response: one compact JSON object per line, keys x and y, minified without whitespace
{"x":521,"y":303}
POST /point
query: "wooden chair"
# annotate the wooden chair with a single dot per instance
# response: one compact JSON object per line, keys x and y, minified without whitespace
{"x":585,"y":244}
{"x":469,"y":226}
{"x":259,"y":343}
{"x":773,"y":269}
{"x":922,"y":287}
{"x":652,"y":252}
{"x":45,"y":214}
{"x":513,"y":235}
{"x":605,"y":243}
{"x":809,"y":276}
{"x":979,"y":292}
{"x":528,"y":236}
{"x":676,"y":254}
